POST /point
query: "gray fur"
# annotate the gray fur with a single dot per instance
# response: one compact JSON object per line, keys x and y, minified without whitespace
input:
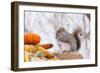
{"x":63,"y":36}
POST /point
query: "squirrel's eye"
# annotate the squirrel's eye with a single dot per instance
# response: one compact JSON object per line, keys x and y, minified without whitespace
{"x":80,"y":34}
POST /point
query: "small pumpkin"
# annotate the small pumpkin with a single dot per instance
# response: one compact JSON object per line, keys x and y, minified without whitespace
{"x":32,"y":38}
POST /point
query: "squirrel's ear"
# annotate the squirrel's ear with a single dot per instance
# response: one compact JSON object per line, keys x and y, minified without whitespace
{"x":77,"y":30}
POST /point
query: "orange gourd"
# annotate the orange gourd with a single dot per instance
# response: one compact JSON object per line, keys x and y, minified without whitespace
{"x":32,"y":38}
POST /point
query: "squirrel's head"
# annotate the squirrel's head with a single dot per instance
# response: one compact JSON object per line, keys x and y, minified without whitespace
{"x":79,"y":33}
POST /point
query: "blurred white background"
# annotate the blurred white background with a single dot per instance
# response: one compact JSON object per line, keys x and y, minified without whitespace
{"x":5,"y":36}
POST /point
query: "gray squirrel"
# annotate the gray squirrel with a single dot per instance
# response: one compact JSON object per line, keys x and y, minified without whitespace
{"x":72,"y":39}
